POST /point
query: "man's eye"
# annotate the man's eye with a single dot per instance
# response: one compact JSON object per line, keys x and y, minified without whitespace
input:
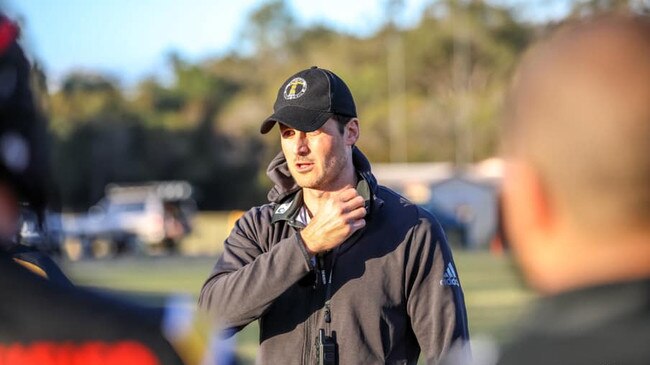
{"x":287,"y":133}
{"x":314,"y":133}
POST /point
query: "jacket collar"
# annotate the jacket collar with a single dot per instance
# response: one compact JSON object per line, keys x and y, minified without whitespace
{"x":288,"y":210}
{"x":288,"y":194}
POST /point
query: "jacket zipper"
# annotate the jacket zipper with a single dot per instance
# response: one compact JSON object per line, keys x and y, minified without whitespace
{"x":307,"y":353}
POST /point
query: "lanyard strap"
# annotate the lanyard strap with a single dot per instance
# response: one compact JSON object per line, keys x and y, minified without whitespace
{"x":328,"y":287}
{"x":328,"y":283}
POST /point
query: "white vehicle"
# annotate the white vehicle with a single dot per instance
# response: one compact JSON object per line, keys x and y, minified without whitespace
{"x":144,"y":216}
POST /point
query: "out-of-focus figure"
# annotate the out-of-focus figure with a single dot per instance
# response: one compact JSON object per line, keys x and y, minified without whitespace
{"x":577,"y":192}
{"x":49,"y":321}
{"x":23,"y":160}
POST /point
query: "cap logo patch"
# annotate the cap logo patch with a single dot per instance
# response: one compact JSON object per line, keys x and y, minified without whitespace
{"x":295,"y":88}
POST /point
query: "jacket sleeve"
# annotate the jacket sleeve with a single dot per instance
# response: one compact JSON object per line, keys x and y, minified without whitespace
{"x":435,"y":302}
{"x":251,"y":273}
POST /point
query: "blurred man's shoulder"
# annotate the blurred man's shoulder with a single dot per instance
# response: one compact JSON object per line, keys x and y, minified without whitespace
{"x":607,"y":324}
{"x":44,"y":315}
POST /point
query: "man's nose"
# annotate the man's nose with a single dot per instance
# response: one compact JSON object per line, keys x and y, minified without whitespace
{"x":302,"y":146}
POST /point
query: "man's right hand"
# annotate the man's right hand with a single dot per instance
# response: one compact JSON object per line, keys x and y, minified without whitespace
{"x":342,"y":214}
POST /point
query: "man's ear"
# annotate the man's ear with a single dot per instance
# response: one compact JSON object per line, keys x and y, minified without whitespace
{"x":528,"y":212}
{"x":351,"y":132}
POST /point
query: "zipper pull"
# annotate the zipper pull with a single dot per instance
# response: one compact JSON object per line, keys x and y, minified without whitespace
{"x":328,"y":312}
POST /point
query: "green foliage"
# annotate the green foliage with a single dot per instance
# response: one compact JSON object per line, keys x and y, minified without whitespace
{"x":272,"y":26}
{"x":162,"y":133}
{"x":203,"y":126}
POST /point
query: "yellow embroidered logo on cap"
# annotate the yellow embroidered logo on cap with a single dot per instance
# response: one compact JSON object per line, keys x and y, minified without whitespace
{"x":295,"y":88}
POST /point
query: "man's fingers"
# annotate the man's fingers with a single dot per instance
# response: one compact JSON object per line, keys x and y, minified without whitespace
{"x":358,"y":224}
{"x":347,"y":194}
{"x":353,"y":204}
{"x":356,"y":213}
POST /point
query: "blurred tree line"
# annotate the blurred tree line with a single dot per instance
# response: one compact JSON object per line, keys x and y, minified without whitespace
{"x":204,"y":126}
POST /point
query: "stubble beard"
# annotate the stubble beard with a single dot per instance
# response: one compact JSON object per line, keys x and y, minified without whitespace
{"x":326,"y":180}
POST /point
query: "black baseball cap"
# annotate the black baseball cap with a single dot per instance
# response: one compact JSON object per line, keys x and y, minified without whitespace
{"x":308,"y":99}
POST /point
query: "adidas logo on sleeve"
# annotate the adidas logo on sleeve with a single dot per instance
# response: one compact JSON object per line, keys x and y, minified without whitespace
{"x":449,"y":278}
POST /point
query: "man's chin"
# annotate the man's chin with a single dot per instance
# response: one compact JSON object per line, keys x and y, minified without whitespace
{"x":308,"y":184}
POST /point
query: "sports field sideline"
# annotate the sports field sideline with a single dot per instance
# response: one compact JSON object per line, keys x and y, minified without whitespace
{"x":494,"y":294}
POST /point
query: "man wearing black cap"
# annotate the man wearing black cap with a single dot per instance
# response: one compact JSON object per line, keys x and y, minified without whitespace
{"x":337,"y":268}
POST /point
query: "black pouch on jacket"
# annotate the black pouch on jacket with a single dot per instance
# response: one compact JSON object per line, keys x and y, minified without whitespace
{"x":327,"y":349}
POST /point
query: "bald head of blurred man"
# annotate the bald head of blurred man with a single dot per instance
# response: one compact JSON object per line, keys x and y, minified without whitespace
{"x":577,"y":146}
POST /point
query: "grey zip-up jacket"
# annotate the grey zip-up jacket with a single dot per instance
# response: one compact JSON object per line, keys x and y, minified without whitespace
{"x":394,"y":288}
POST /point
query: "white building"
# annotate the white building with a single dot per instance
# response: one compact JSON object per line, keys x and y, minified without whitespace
{"x":460,"y":197}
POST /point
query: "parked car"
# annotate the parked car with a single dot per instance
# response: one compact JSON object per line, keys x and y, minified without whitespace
{"x":135,"y":217}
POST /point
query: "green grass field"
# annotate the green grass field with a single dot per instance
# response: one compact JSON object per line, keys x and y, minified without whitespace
{"x":494,"y":294}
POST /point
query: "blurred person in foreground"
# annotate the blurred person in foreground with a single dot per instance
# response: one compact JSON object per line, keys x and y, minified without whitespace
{"x":577,"y":193}
{"x":49,"y":321}
{"x":23,"y":167}
{"x":336,"y":268}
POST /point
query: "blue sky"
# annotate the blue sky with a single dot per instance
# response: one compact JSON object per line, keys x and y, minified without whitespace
{"x":129,"y":39}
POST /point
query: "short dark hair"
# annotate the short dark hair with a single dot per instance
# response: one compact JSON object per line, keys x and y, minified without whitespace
{"x":342,"y":120}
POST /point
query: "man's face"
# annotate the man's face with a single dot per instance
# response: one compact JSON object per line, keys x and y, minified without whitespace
{"x":316,"y":159}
